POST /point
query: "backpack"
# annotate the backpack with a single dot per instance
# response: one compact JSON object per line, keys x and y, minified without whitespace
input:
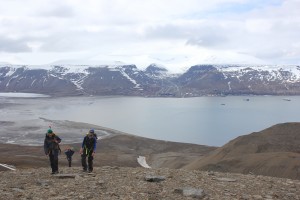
{"x":96,"y":137}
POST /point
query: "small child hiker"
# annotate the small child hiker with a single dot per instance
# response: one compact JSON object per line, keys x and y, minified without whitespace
{"x":69,"y":153}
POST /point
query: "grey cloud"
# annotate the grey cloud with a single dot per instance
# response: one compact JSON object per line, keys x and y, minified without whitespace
{"x":269,"y":54}
{"x":59,"y":11}
{"x":211,"y":40}
{"x":79,"y":40}
{"x":61,"y":44}
{"x":71,"y":42}
{"x":166,"y":31}
{"x":75,"y":26}
{"x":203,"y":35}
{"x":278,"y":54}
{"x":13,"y":46}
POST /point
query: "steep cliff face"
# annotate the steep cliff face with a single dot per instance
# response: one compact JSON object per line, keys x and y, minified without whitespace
{"x":153,"y":81}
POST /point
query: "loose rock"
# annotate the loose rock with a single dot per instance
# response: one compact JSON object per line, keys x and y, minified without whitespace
{"x":110,"y":183}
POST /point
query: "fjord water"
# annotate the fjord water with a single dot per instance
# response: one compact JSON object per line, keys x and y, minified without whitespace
{"x":202,"y":120}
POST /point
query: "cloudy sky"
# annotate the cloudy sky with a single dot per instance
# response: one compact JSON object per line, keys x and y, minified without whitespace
{"x":174,"y":33}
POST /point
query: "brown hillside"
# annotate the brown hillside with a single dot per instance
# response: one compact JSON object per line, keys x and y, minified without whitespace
{"x":117,"y":150}
{"x":274,"y":151}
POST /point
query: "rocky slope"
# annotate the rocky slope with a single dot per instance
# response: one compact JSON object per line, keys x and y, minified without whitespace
{"x":110,"y":183}
{"x":274,"y":151}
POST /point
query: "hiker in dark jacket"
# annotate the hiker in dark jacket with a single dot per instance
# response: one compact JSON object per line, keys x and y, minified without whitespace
{"x":88,"y":149}
{"x":51,"y":148}
{"x":69,"y":153}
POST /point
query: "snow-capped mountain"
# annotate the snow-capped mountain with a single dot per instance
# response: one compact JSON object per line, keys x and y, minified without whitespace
{"x":156,"y":71}
{"x":240,"y":80}
{"x":66,"y":80}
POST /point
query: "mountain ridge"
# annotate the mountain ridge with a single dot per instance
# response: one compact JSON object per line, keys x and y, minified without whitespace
{"x":154,"y":81}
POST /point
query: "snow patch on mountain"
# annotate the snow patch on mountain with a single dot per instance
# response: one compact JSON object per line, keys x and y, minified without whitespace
{"x":157,"y":71}
{"x":75,"y":69}
{"x":289,"y":73}
{"x":10,"y":72}
{"x":130,"y":79}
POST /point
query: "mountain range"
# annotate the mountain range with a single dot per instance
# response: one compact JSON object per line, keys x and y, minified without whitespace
{"x":154,"y":81}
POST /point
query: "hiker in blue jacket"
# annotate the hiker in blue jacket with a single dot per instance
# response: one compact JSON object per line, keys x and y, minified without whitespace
{"x":88,"y":149}
{"x":52,"y":149}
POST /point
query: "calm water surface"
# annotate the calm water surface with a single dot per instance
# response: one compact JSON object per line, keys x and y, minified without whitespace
{"x":202,"y":120}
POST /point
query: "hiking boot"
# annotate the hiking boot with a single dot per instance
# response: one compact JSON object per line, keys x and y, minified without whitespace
{"x":84,"y":170}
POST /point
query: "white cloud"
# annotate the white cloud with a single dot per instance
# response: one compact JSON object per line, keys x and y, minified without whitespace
{"x":173,"y":33}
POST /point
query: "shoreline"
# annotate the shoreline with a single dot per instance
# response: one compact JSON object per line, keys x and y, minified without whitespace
{"x":63,"y":128}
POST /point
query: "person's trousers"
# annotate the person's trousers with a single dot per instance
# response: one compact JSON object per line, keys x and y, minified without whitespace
{"x":53,"y":157}
{"x":69,"y":161}
{"x":90,"y":162}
